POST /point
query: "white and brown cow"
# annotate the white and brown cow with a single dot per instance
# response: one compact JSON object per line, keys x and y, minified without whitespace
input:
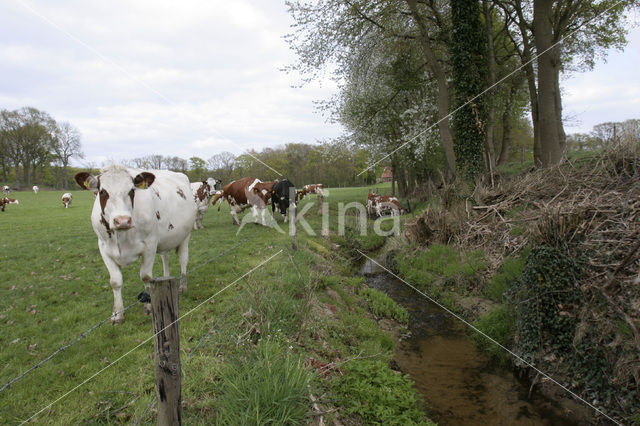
{"x":202,"y":193}
{"x":35,"y":189}
{"x":381,"y":204}
{"x":4,"y":201}
{"x":315,"y":188}
{"x":138,"y":214}
{"x":244,"y":193}
{"x":67,"y":198}
{"x":6,"y":190}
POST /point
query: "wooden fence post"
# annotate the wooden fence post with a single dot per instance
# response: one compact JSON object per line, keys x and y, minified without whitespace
{"x":320,"y":203}
{"x":164,"y":308}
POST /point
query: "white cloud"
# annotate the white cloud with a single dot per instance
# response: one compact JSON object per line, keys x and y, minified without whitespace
{"x":198,"y":77}
{"x":608,"y":93}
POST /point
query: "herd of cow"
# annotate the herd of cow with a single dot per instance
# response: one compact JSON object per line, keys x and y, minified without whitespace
{"x":165,"y":214}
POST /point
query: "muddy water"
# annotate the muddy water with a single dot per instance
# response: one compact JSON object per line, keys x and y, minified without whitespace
{"x":458,"y":383}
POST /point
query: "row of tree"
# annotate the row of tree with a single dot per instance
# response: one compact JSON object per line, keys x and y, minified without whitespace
{"x":36,"y":149}
{"x":605,"y":134}
{"x":332,"y":164}
{"x":405,"y":66}
{"x":32,"y":142}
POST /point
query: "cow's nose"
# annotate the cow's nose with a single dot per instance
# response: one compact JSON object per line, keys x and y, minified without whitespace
{"x":122,"y":222}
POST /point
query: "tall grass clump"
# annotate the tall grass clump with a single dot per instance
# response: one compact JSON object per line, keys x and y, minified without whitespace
{"x":268,"y":388}
{"x":438,"y":263}
{"x":499,"y":324}
{"x":508,"y":273}
{"x":384,"y":306}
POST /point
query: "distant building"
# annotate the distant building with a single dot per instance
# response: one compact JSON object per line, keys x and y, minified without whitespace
{"x":387,"y":175}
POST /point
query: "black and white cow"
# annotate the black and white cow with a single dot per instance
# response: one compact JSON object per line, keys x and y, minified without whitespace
{"x":283,"y":193}
{"x":138,"y":214}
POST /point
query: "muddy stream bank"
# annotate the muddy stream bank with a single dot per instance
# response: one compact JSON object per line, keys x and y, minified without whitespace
{"x":458,"y":383}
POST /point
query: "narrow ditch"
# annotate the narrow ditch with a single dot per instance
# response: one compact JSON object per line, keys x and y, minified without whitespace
{"x":459,"y":384}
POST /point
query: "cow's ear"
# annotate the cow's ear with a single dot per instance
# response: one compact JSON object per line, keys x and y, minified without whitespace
{"x":86,"y":181}
{"x":144,"y":180}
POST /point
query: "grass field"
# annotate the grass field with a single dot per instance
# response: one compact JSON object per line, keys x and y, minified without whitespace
{"x":55,"y":286}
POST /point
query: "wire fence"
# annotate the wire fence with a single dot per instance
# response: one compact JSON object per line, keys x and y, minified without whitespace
{"x":142,"y":298}
{"x":197,"y":345}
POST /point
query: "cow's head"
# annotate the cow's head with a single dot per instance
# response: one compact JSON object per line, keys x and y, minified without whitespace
{"x":263,"y":190}
{"x":213,"y":183}
{"x":116,"y":193}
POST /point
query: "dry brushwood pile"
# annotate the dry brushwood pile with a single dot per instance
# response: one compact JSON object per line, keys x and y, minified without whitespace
{"x":589,"y":207}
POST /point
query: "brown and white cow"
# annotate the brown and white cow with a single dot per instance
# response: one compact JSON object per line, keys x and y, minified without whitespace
{"x":35,"y":189}
{"x":138,"y":214}
{"x":67,"y":198}
{"x":244,"y":193}
{"x":382,"y":204}
{"x":315,"y":188}
{"x":5,"y":201}
{"x":202,"y":193}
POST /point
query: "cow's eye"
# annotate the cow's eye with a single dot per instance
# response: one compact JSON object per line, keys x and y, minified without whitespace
{"x":103,"y":193}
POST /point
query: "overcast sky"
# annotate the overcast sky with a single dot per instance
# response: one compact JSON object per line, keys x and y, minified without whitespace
{"x":195,"y":78}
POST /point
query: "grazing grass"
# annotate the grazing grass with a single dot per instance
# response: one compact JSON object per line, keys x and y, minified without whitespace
{"x":55,"y":287}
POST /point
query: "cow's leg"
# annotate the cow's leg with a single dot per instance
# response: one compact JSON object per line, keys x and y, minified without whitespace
{"x":263,"y":216}
{"x":165,"y":263}
{"x":183,"y":254}
{"x":254,"y":212}
{"x":146,"y":273}
{"x":115,"y":279}
{"x":234,"y":215}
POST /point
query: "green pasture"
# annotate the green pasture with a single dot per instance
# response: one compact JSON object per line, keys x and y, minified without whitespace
{"x":55,"y":286}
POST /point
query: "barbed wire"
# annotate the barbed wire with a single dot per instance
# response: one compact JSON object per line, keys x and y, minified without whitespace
{"x":151,"y":337}
{"x":67,"y":346}
{"x":142,"y":298}
{"x":202,"y":339}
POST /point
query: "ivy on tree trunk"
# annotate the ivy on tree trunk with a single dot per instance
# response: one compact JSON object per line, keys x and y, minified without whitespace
{"x":468,"y":55}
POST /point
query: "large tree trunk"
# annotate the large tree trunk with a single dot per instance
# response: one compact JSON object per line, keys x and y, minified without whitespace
{"x":526,"y":58}
{"x":65,"y":176}
{"x":399,"y":173}
{"x":552,"y":136}
{"x":443,"y":90}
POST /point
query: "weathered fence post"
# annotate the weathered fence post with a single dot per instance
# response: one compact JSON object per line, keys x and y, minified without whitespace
{"x":320,"y":203}
{"x":164,"y":308}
